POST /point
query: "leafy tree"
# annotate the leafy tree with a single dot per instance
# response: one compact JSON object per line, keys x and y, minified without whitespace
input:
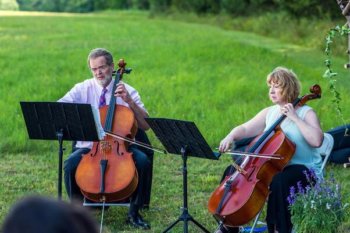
{"x":160,"y":5}
{"x":235,"y":7}
{"x":8,"y":5}
{"x":205,"y":6}
{"x":40,"y":5}
{"x":77,"y":5}
{"x":120,"y":4}
{"x":57,"y":5}
{"x":141,"y":4}
{"x":313,"y":8}
{"x":197,"y":6}
{"x":307,"y":8}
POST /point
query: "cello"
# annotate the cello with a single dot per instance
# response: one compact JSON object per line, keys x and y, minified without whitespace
{"x":108,"y":173}
{"x":241,"y":196}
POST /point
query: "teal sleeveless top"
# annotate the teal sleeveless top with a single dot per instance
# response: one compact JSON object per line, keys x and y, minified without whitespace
{"x":304,"y":153}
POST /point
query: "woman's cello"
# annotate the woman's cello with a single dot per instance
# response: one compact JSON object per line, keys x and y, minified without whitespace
{"x":108,"y":173}
{"x":240,"y":197}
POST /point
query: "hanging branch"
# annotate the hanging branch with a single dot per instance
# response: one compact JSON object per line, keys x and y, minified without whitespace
{"x":329,"y":73}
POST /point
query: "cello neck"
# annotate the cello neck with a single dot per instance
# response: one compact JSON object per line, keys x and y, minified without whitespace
{"x":111,"y":106}
{"x":112,"y":103}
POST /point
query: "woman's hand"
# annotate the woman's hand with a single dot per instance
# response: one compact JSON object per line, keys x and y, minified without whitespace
{"x":289,"y":111}
{"x":226,"y":143}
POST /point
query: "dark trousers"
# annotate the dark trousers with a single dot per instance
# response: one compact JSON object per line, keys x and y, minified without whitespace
{"x":143,"y":166}
{"x":278,"y":215}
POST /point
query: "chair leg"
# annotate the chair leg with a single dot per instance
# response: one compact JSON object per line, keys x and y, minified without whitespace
{"x":255,"y":222}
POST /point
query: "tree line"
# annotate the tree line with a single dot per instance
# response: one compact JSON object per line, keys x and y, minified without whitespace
{"x":300,"y":8}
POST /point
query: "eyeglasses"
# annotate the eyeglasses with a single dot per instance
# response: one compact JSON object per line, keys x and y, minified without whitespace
{"x":100,"y":68}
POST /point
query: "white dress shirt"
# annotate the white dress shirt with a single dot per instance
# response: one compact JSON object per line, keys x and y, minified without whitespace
{"x":89,"y":91}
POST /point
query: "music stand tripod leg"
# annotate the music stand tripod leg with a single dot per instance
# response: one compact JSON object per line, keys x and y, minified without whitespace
{"x":60,"y":157}
{"x":199,"y":225}
{"x":185,"y":216}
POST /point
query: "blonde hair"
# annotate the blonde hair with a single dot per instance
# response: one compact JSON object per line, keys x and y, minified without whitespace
{"x":287,"y":80}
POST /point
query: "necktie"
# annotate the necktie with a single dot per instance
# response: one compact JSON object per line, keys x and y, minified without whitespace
{"x":102,"y":101}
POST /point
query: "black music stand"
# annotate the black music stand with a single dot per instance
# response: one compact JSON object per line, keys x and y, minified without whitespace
{"x":60,"y":121}
{"x":184,"y":138}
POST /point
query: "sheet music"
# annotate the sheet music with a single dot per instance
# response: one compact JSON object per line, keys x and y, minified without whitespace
{"x":100,"y":131}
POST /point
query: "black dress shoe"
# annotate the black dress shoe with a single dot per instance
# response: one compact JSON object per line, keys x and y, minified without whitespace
{"x":225,"y":229}
{"x":137,"y":222}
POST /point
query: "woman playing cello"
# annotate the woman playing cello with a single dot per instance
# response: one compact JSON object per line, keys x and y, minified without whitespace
{"x":301,"y":126}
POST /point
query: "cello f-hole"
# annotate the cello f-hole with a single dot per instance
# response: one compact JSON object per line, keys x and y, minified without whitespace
{"x":96,"y":150}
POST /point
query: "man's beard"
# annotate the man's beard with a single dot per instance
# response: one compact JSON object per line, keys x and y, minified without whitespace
{"x":104,"y":82}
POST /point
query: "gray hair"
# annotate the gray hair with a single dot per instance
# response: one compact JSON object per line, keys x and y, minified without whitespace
{"x":98,"y":52}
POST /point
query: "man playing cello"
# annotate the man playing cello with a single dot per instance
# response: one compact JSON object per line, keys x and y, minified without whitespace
{"x":97,"y":91}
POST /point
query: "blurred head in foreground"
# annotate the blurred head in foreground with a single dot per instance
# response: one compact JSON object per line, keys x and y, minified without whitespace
{"x":37,"y":214}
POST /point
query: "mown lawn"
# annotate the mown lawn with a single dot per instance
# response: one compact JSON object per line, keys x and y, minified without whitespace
{"x":194,"y":72}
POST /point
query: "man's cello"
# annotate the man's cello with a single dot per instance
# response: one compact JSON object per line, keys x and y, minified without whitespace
{"x":108,"y":173}
{"x":240,"y":197}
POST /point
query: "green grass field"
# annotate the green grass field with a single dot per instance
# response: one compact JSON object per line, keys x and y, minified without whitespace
{"x":186,"y":71}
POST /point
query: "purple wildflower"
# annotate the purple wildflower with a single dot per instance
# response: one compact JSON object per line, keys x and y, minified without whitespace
{"x":307,"y":176}
{"x":300,"y":188}
{"x":292,"y":196}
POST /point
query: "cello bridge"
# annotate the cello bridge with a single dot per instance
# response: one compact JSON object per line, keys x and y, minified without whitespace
{"x":105,"y":146}
{"x":239,"y":169}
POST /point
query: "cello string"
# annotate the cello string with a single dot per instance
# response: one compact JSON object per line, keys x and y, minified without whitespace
{"x":136,"y":143}
{"x":267,"y":156}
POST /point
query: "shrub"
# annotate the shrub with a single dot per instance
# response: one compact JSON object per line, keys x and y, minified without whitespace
{"x":317,"y":208}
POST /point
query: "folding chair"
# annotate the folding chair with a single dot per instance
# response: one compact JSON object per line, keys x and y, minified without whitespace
{"x":325,"y":150}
